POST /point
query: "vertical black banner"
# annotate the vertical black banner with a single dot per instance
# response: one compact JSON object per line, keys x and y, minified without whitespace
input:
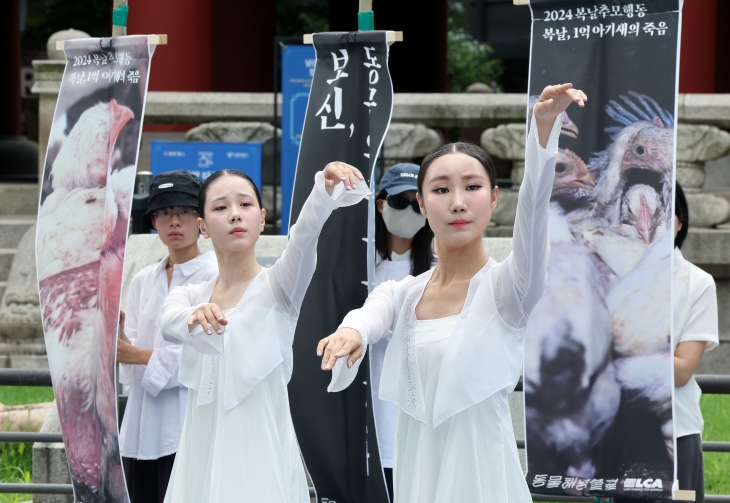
{"x":348,"y":113}
{"x":598,"y":368}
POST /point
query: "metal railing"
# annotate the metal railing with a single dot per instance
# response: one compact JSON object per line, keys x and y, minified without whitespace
{"x":709,"y":384}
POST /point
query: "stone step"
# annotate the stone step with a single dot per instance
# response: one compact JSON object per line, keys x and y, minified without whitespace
{"x":6,"y":260}
{"x":12,"y":229}
{"x":19,"y":198}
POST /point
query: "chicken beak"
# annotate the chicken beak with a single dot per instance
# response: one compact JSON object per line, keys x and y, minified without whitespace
{"x":586,"y":182}
{"x":120,"y":116}
{"x":644,"y":222}
{"x":569,"y":128}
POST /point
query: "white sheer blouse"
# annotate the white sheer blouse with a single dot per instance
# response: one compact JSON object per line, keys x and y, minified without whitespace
{"x":485,"y":352}
{"x":264,"y":319}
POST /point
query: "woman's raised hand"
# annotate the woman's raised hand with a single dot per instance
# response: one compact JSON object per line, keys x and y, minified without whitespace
{"x":208,"y":316}
{"x":339,"y":172}
{"x":555,"y":99}
{"x":346,"y":341}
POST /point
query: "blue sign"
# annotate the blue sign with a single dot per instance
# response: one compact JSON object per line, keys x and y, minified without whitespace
{"x":202,"y":159}
{"x":297,"y":70}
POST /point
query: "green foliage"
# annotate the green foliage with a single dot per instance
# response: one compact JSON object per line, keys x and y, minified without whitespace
{"x":297,"y":17}
{"x":16,"y":460}
{"x":16,"y":464}
{"x":21,"y":395}
{"x":45,"y":18}
{"x":469,"y":60}
{"x":716,"y":413}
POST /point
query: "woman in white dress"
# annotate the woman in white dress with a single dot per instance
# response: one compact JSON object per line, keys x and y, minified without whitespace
{"x":456,"y":348}
{"x":404,"y":245}
{"x":238,"y":442}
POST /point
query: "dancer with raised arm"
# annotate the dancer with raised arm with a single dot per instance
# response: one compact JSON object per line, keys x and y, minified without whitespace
{"x":238,"y":441}
{"x":456,"y":349}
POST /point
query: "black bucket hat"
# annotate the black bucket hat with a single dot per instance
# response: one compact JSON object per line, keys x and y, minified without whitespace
{"x":172,"y":188}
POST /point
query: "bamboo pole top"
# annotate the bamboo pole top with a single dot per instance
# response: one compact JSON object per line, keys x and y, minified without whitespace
{"x":391,"y":36}
{"x":153,"y":39}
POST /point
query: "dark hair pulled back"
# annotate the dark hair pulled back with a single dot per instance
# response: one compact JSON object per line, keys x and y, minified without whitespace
{"x":464,"y":147}
{"x":215,"y":176}
{"x":682,"y":212}
{"x":421,"y":247}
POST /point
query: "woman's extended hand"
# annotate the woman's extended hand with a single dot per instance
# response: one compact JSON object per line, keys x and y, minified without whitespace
{"x":208,"y":316}
{"x":346,"y":341}
{"x":553,"y":101}
{"x":339,"y":172}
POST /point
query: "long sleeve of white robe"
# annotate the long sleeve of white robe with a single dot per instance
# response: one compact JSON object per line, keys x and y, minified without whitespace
{"x":518,"y":282}
{"x":265,"y":319}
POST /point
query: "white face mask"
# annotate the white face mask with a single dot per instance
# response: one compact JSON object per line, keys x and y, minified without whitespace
{"x":403,"y":223}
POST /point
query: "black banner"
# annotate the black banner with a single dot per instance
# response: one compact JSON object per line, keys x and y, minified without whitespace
{"x":598,"y":369}
{"x":348,"y":113}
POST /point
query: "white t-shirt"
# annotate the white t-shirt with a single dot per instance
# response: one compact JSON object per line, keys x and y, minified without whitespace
{"x":155,"y":411}
{"x":695,"y":319}
{"x":397,"y":268}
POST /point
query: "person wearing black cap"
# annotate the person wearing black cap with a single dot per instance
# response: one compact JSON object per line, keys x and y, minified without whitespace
{"x":404,"y":245}
{"x":155,"y":410}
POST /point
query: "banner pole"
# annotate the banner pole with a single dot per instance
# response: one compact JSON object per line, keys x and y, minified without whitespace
{"x":120,"y":13}
{"x":152,"y":39}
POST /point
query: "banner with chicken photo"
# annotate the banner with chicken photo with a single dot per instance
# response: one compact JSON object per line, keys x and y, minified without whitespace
{"x":598,"y":376}
{"x":83,"y":217}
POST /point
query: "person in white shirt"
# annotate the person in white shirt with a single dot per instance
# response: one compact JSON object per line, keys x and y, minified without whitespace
{"x":238,"y":442}
{"x":404,"y":245}
{"x":457,"y":344}
{"x":155,"y":409}
{"x":694,"y":331}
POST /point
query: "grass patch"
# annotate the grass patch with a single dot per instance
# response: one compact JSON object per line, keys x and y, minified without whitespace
{"x":21,"y":395}
{"x":716,"y":412}
{"x":16,"y":465}
{"x":16,"y":460}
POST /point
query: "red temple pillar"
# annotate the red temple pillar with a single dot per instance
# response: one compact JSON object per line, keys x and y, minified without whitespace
{"x":184,"y":64}
{"x":698,"y":50}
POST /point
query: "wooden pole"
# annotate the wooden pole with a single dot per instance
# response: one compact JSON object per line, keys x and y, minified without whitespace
{"x":119,"y":30}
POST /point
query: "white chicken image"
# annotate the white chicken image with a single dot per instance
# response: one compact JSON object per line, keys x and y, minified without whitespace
{"x":597,"y":344}
{"x":81,"y":234}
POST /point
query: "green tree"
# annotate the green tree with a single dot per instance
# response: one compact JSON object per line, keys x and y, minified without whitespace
{"x":44,"y":19}
{"x":469,"y":60}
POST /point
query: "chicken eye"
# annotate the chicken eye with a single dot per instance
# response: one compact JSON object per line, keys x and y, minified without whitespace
{"x":560,"y":167}
{"x":640,"y":150}
{"x":90,"y":200}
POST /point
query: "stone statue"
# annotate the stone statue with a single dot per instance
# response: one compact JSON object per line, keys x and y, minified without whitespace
{"x":20,"y":314}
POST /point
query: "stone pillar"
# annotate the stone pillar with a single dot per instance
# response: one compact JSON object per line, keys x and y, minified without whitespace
{"x":50,"y":465}
{"x":239,"y":132}
{"x":48,"y":76}
{"x":406,"y":142}
{"x":696,"y":145}
{"x":507,"y":142}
